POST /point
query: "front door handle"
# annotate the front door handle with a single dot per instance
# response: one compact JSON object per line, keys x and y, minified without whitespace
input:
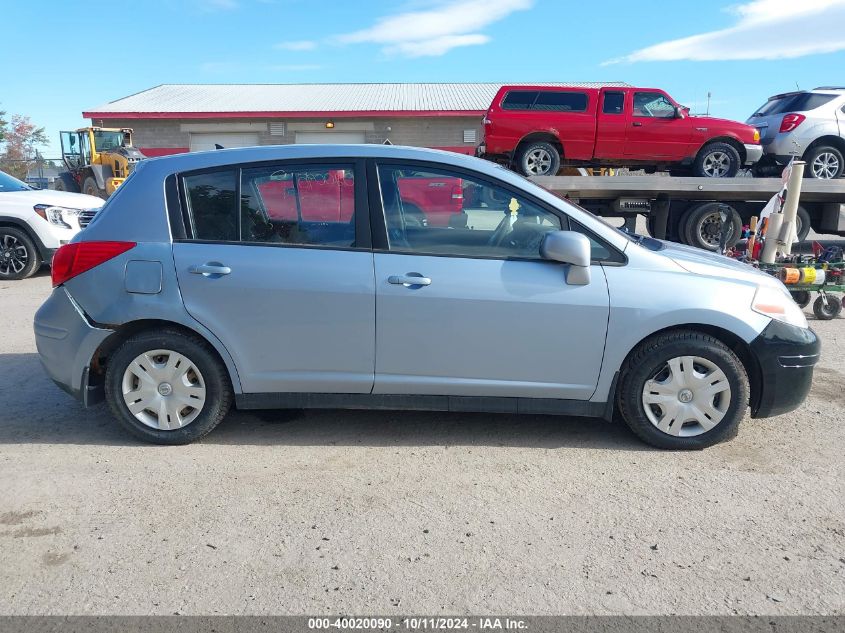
{"x":409,"y":280}
{"x":210,"y":269}
{"x":637,"y":124}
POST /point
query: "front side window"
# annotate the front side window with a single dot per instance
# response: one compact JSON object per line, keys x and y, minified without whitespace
{"x":437,"y":212}
{"x":279,"y":204}
{"x":561,"y":101}
{"x":653,"y":104}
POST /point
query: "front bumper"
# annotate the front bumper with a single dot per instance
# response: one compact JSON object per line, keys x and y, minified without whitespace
{"x":66,"y":343}
{"x":785,"y":355}
{"x":753,"y":153}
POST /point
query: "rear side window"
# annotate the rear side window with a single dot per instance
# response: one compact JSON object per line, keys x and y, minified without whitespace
{"x":211,"y":204}
{"x":279,"y":204}
{"x":519,"y":100}
{"x":799,"y":102}
{"x":556,"y":101}
{"x":613,"y":102}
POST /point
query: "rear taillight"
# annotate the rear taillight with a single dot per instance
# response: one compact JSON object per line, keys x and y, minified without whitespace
{"x":457,"y":192}
{"x":791,"y":121}
{"x":486,"y":120}
{"x":73,"y":259}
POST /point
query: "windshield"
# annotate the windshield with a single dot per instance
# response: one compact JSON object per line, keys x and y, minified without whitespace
{"x":7,"y":183}
{"x":795,"y":102}
{"x":107,"y":140}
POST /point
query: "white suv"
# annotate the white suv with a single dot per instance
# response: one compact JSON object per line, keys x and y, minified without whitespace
{"x":35,"y":222}
{"x":809,"y":124}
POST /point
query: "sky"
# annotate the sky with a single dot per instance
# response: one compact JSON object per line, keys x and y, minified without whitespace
{"x":66,"y":56}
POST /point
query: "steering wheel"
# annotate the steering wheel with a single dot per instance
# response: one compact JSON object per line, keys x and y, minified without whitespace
{"x":501,"y":232}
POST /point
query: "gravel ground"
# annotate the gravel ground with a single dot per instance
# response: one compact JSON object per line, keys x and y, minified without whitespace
{"x":411,"y":513}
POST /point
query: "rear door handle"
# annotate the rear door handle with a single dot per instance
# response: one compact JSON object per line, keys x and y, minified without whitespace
{"x":636,"y":124}
{"x":211,"y":269}
{"x":409,"y":280}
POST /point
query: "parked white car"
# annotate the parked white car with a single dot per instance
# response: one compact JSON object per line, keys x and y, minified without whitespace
{"x":35,"y":222}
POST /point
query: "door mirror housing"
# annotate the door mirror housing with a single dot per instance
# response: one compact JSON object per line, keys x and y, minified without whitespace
{"x":679,"y":112}
{"x":569,"y":247}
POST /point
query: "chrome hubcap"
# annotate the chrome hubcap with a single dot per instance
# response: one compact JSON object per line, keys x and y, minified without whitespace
{"x":687,"y":396}
{"x":716,"y":164}
{"x":163,"y":389}
{"x":826,"y":166}
{"x":538,"y":162}
{"x":13,"y":255}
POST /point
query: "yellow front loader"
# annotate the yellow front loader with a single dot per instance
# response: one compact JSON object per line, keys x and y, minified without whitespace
{"x":98,"y":160}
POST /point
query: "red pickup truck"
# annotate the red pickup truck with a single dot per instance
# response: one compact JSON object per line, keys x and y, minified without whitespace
{"x":537,"y":128}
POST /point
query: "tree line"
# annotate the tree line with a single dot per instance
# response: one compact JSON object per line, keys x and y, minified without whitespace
{"x":19,"y":140}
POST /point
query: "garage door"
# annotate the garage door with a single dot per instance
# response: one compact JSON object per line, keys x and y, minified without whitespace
{"x":321,"y":138}
{"x":202,"y":141}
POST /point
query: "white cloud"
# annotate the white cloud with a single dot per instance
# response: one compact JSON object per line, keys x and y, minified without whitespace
{"x":298,"y":45}
{"x":436,"y":31}
{"x":765,"y":29}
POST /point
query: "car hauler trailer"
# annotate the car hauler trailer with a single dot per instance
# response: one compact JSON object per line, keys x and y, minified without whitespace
{"x":687,"y":210}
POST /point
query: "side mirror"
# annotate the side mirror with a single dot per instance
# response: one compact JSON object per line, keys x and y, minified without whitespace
{"x":679,"y":112}
{"x":569,"y":247}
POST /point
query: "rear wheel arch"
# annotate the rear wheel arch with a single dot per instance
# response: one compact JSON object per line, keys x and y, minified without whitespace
{"x":545,"y":137}
{"x":125,"y":331}
{"x":834,"y":141}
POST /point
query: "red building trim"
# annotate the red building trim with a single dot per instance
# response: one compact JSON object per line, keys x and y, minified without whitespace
{"x":313,"y":114}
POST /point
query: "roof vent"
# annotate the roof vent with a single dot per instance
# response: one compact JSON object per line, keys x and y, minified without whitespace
{"x":277,"y":129}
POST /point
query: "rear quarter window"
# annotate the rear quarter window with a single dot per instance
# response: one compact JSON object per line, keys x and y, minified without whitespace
{"x":519,"y":100}
{"x":556,"y":101}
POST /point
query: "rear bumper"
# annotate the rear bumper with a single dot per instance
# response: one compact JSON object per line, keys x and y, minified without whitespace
{"x":753,"y":153}
{"x":785,"y":355}
{"x":66,"y":343}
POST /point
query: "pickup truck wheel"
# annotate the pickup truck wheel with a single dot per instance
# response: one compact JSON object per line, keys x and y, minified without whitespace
{"x":704,"y":224}
{"x":538,"y":159}
{"x":683,"y":390}
{"x":716,"y":160}
{"x":19,"y":258}
{"x":824,"y":162}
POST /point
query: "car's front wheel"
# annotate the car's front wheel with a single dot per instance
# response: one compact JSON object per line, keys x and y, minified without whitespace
{"x":683,"y":390}
{"x":717,"y":160}
{"x":167,"y":387}
{"x":19,"y":257}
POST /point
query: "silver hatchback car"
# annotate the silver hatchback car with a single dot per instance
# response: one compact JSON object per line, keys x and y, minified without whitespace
{"x":385,"y":277}
{"x":808,"y":124}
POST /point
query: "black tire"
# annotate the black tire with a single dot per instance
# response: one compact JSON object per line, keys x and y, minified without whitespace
{"x":717,"y":160}
{"x":801,"y":297}
{"x":19,"y":257}
{"x":65,"y":182}
{"x":217,"y":386}
{"x":702,"y":224}
{"x":831,"y":311}
{"x":89,"y":187}
{"x":804,"y":223}
{"x":528,"y":154}
{"x":646,"y":361}
{"x":825,"y":156}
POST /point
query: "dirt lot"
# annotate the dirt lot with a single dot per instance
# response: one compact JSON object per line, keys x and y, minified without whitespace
{"x":399,"y":513}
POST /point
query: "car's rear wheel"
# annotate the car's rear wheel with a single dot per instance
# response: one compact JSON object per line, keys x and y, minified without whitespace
{"x":167,"y":387}
{"x":703,"y":225}
{"x":19,"y":257}
{"x":683,"y":390}
{"x":825,"y":163}
{"x":538,"y":159}
{"x":717,"y":160}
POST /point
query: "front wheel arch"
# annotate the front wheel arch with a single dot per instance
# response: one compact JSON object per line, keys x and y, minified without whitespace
{"x":736,"y":344}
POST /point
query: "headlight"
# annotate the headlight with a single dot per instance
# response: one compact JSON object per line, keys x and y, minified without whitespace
{"x":56,"y":215}
{"x":778,"y":305}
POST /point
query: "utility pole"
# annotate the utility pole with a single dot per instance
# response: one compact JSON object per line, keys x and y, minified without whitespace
{"x":708,"y":104}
